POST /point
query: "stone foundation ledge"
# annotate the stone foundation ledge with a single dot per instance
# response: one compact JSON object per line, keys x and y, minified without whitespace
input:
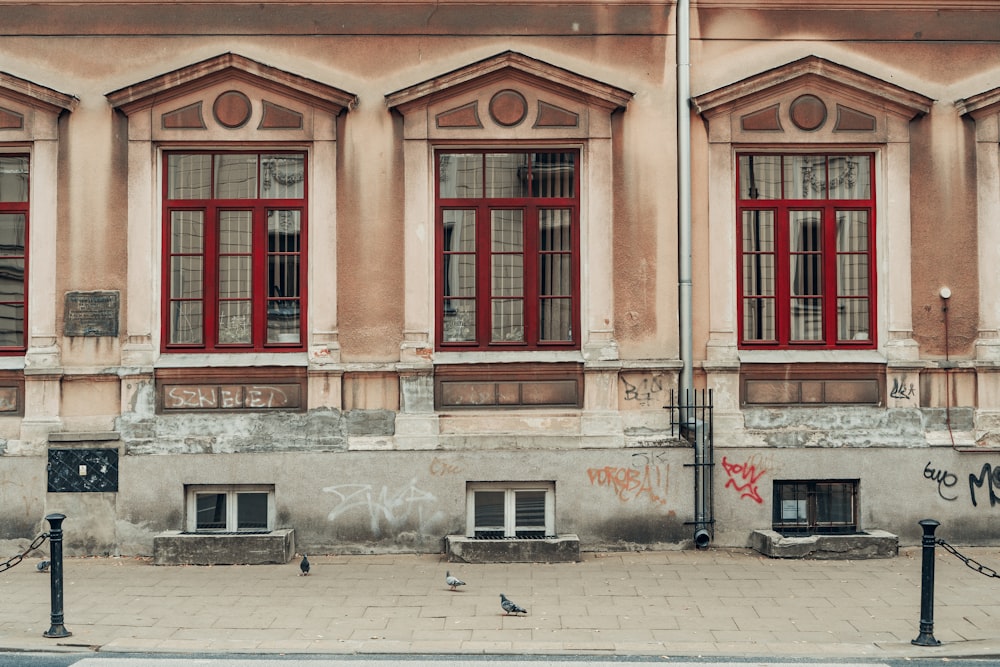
{"x":562,"y":549}
{"x":869,"y":544}
{"x":177,"y":548}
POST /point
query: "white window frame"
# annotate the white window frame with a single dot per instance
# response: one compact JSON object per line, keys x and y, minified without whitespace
{"x":232,"y":492}
{"x":510,"y":489}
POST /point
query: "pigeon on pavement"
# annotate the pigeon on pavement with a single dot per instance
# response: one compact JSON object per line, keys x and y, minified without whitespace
{"x":453,"y":582}
{"x":304,"y":566}
{"x":43,"y":566}
{"x":509,"y":607}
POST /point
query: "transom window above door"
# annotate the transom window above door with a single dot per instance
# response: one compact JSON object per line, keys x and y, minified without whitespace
{"x":508,"y":249}
{"x":806,"y":266}
{"x":234,"y":251}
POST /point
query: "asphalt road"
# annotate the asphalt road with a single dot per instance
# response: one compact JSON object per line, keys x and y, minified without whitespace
{"x":207,"y":660}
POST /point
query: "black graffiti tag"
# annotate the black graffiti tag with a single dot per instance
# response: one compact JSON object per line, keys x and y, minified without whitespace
{"x":943,"y":479}
{"x":987,"y":474}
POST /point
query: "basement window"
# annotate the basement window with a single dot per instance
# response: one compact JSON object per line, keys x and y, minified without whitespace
{"x":815,"y":507}
{"x":503,"y":510}
{"x":230,"y":509}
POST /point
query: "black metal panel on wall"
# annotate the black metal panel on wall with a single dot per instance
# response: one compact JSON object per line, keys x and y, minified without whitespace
{"x":83,"y":470}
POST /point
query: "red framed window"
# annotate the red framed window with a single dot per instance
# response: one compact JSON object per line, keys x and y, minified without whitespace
{"x":234,"y":238}
{"x":13,"y":252}
{"x":806,"y":266}
{"x":508,"y":249}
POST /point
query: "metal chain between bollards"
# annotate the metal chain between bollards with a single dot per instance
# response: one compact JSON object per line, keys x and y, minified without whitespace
{"x":14,"y":560}
{"x":971,"y":563}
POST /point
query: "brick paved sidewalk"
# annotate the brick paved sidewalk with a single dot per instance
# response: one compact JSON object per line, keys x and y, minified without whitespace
{"x":678,"y":603}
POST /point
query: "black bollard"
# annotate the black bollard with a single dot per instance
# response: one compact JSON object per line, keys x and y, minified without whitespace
{"x":926,"y":636}
{"x":57,"y":630}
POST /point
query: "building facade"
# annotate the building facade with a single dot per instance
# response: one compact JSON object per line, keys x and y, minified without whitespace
{"x":381,"y":273}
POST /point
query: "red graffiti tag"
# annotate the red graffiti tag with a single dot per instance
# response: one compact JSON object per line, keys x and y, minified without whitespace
{"x":743,"y":479}
{"x":631,"y":483}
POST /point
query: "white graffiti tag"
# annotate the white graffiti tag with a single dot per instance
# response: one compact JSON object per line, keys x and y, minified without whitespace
{"x":409,"y":508}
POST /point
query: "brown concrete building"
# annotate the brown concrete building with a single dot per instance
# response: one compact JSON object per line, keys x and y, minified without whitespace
{"x":365,"y":275}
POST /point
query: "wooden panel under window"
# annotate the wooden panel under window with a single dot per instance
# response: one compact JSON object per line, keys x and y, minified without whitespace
{"x":812,"y":384}
{"x":508,"y":385}
{"x":230,"y":389}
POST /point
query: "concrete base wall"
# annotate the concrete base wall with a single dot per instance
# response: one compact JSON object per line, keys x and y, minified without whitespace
{"x":176,"y":548}
{"x":562,"y":549}
{"x":872,"y":544}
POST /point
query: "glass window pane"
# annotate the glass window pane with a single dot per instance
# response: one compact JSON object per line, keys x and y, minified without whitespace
{"x":852,"y":231}
{"x":807,"y":279}
{"x":186,"y":280}
{"x":284,"y":230}
{"x":834,"y":504}
{"x":282,"y":176}
{"x":555,"y":275}
{"x":210,"y":511}
{"x":11,"y":279}
{"x":555,"y":230}
{"x":235,"y":176}
{"x":187,"y":231}
{"x":850,"y":177}
{"x":553,"y":174}
{"x":235,"y":231}
{"x":758,"y":231}
{"x":234,"y":277}
{"x":186,"y":323}
{"x":758,"y":320}
{"x":852,"y":275}
{"x":507,"y":175}
{"x":529,"y":509}
{"x":251,"y":511}
{"x":489,"y":509}
{"x":459,"y":230}
{"x":852,"y":319}
{"x":12,"y":325}
{"x":189,"y":176}
{"x":805,"y":177}
{"x":807,"y":319}
{"x":507,"y":275}
{"x":760,"y":176}
{"x":12,"y":234}
{"x":13,"y":178}
{"x":234,"y":322}
{"x":758,"y":275}
{"x":556,"y":319}
{"x":459,"y":275}
{"x":805,"y":231}
{"x":283,"y":321}
{"x":460,"y":175}
{"x":459,"y":320}
{"x":508,"y":320}
{"x":507,"y":230}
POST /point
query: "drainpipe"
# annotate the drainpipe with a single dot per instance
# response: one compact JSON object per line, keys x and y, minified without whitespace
{"x":701,"y":534}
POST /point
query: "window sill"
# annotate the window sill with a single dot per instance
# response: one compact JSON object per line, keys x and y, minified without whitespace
{"x":869,"y":544}
{"x":547,"y":356}
{"x":561,"y":549}
{"x":811,"y":356}
{"x":190,"y":360}
{"x":174,"y":547}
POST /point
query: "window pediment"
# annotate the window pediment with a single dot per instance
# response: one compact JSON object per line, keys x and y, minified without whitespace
{"x":29,"y":111}
{"x":508,"y":96}
{"x":810,"y":100}
{"x":231,"y":98}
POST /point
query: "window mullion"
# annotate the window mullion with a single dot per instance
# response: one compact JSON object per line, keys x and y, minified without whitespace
{"x":510,"y":514}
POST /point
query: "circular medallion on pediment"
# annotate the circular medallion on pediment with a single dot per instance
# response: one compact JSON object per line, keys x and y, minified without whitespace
{"x":232,"y":109}
{"x":508,"y":108}
{"x":807,"y":112}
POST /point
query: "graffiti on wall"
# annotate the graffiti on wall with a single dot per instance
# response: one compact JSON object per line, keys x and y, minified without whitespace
{"x":944,"y":480}
{"x":983,"y":484}
{"x":439,"y":468}
{"x":645,"y":390}
{"x":408,"y":508}
{"x":988,"y":477}
{"x":901,"y":390}
{"x":743,"y":478}
{"x":647,"y":478}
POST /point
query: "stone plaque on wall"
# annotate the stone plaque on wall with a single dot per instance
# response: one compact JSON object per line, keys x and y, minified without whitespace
{"x":91,"y":314}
